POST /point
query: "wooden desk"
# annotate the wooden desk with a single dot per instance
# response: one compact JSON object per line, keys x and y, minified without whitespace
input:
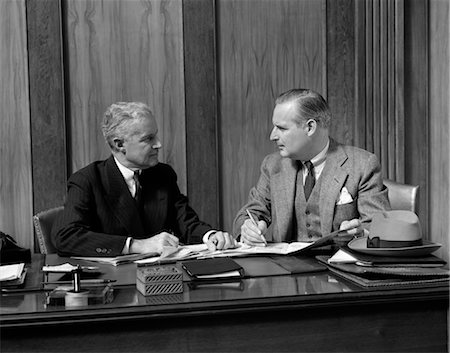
{"x":317,"y":312}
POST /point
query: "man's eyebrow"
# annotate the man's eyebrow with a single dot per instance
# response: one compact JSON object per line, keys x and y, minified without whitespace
{"x":145,"y":137}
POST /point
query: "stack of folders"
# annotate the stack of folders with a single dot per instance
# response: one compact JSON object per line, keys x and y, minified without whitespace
{"x":387,"y":271}
{"x":13,"y":275}
{"x":214,"y":269}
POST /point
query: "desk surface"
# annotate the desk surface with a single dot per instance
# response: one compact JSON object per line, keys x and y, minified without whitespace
{"x":251,"y":294}
{"x":312,"y":312}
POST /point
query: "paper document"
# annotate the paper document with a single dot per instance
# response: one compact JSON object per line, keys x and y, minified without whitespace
{"x":118,"y":260}
{"x":342,"y":257}
{"x":200,"y":251}
{"x":183,"y":252}
{"x":270,"y":248}
{"x":11,"y":272}
{"x":66,"y":267}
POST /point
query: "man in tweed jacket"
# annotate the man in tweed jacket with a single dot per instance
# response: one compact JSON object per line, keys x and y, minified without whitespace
{"x":313,"y":185}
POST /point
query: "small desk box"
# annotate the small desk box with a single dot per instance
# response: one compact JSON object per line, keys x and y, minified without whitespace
{"x":159,"y":279}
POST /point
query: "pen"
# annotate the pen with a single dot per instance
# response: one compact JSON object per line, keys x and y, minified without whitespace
{"x":24,"y":290}
{"x":254,"y":222}
{"x":85,"y":281}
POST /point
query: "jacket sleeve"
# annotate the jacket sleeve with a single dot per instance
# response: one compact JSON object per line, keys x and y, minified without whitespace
{"x":372,"y":193}
{"x":191,"y":229}
{"x":259,"y":201}
{"x":73,"y":232}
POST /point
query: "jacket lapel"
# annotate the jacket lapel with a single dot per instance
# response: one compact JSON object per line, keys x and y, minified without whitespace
{"x":332,"y":178}
{"x":284,"y":185}
{"x":120,"y":200}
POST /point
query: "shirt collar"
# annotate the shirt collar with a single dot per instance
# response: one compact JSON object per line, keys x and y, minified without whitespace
{"x":321,"y":156}
{"x":126,"y":172}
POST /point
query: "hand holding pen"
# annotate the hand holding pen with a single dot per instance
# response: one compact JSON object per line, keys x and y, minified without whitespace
{"x":253,"y":230}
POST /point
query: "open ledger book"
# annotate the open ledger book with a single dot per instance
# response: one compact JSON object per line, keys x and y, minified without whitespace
{"x":199,"y":251}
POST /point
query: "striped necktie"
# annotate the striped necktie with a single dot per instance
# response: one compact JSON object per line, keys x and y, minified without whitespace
{"x":310,"y":179}
{"x":137,"y":183}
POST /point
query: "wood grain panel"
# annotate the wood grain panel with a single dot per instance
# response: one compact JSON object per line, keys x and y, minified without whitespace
{"x":125,"y":51}
{"x":416,"y":104}
{"x":360,"y":75}
{"x":368,"y":54}
{"x":376,"y":82}
{"x":399,"y":94}
{"x":264,"y":48}
{"x":380,"y":82}
{"x":439,"y":124}
{"x":16,"y":203}
{"x":46,"y":104}
{"x":341,"y":69}
{"x":199,"y":24}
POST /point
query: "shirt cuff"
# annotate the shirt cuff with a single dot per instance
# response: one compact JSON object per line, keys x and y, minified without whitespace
{"x":126,"y":248}
{"x":207,"y":235}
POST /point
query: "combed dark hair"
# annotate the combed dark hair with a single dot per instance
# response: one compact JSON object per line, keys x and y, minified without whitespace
{"x":119,"y":116}
{"x":309,"y":105}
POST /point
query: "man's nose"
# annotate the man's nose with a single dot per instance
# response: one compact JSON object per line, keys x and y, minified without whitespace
{"x":157,"y":145}
{"x":273,"y":135}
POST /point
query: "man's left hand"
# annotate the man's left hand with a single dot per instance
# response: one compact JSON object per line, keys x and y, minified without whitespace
{"x":221,"y":241}
{"x":354,"y":229}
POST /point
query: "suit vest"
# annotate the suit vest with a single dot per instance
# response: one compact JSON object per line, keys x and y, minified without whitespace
{"x":307,"y":213}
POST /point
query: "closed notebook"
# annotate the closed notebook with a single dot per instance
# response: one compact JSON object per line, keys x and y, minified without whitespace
{"x":215,"y":268}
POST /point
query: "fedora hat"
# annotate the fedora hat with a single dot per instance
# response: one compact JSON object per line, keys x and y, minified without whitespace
{"x":394,"y":233}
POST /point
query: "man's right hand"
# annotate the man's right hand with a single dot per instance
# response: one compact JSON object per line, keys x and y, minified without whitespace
{"x":154,"y":244}
{"x":252,"y":234}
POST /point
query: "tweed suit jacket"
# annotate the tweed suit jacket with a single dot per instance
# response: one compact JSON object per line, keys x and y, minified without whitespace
{"x":100,"y":212}
{"x":272,"y":199}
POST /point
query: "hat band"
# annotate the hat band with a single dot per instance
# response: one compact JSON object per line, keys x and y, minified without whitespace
{"x":376,"y":242}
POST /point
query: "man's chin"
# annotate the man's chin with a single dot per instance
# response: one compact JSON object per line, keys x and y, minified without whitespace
{"x":284,"y":154}
{"x":152,"y":163}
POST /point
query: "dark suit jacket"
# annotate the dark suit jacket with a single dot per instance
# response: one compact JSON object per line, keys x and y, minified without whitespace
{"x":100,"y":213}
{"x":273,"y":197}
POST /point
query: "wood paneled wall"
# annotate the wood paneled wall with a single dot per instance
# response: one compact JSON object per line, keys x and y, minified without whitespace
{"x":264,"y":48}
{"x":47,"y":108}
{"x":211,"y":70}
{"x":200,"y":77}
{"x":380,"y":82}
{"x":124,"y":51}
{"x":439,"y":105}
{"x":16,"y":195}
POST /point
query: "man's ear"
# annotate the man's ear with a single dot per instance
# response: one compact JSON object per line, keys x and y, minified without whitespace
{"x":311,"y":126}
{"x":118,"y":144}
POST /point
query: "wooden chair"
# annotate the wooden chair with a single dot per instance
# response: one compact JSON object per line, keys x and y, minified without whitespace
{"x":402,"y":196}
{"x":43,"y":222}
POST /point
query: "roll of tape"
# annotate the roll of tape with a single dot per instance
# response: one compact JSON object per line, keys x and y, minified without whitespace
{"x":74,"y":299}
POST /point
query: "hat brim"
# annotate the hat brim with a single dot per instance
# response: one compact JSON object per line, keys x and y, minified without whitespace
{"x":360,"y":245}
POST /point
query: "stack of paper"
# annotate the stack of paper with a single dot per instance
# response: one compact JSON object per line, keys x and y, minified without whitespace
{"x":117,"y":260}
{"x":382,"y":271}
{"x":12,"y":276}
{"x":11,"y":272}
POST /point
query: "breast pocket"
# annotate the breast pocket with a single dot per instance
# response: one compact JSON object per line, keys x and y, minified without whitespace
{"x":344,"y":212}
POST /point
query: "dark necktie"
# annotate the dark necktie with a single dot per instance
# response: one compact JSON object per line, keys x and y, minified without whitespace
{"x":310,"y":179}
{"x":138,"y":193}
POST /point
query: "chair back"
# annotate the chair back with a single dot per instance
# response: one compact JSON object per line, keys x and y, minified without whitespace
{"x":43,"y":222}
{"x":402,"y":196}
